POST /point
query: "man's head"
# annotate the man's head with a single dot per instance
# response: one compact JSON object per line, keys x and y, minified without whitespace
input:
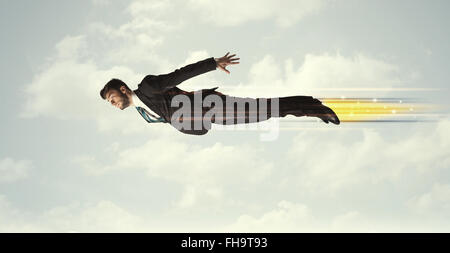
{"x":117,"y":93}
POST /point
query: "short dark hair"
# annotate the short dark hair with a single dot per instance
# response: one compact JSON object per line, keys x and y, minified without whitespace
{"x":114,"y":84}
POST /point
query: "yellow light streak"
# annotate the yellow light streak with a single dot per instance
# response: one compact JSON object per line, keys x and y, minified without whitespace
{"x":375,"y":109}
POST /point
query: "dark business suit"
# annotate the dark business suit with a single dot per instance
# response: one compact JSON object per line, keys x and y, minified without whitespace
{"x":157,"y":93}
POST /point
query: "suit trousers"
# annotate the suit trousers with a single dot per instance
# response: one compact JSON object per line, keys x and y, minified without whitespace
{"x":242,"y":110}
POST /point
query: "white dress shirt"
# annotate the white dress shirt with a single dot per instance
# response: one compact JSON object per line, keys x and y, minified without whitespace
{"x":137,"y":102}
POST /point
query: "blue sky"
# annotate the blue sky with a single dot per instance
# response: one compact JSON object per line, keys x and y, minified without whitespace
{"x":71,"y":162}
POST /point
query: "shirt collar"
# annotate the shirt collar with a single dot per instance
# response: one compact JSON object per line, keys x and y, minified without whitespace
{"x":136,"y":101}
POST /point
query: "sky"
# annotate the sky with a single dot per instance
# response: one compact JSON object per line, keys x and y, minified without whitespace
{"x":70,"y":162}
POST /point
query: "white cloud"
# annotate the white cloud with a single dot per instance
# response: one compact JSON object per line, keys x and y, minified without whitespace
{"x":137,"y":40}
{"x":201,"y":165}
{"x":101,"y":2}
{"x":290,"y":217}
{"x":106,"y":52}
{"x":68,"y":88}
{"x":194,"y":56}
{"x":203,"y":172}
{"x":11,"y":219}
{"x":146,"y":8}
{"x":435,"y":202}
{"x":71,"y":47}
{"x":75,"y":94}
{"x":201,"y":81}
{"x":91,"y":165}
{"x":349,"y":161}
{"x":351,"y":221}
{"x":133,"y":43}
{"x":358,"y":161}
{"x":285,"y":13}
{"x":266,"y":72}
{"x":343,"y":177}
{"x":11,"y":170}
{"x":338,"y":71}
{"x":345,"y":170}
{"x":321,"y":74}
{"x":214,"y":12}
{"x":287,"y":217}
{"x":101,"y":216}
{"x":326,"y":165}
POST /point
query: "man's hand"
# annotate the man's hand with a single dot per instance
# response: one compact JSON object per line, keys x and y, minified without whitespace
{"x":225,"y":61}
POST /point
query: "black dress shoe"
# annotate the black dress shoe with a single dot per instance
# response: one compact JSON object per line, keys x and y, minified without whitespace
{"x":330,"y":115}
{"x":320,"y":111}
{"x":323,"y":118}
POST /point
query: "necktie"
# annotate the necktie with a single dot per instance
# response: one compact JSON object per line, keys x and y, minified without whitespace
{"x":150,"y":118}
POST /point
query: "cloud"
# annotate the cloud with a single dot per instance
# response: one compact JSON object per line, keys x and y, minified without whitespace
{"x":68,"y":84}
{"x":331,"y":178}
{"x":74,"y":95}
{"x":155,"y":8}
{"x":199,"y":82}
{"x":71,"y":47}
{"x":134,"y":43}
{"x":285,"y":14}
{"x":356,"y":182}
{"x":212,"y":12}
{"x":435,"y":202}
{"x":203,"y":172}
{"x":107,"y":216}
{"x":291,"y":217}
{"x":11,"y":219}
{"x":101,"y":216}
{"x":353,"y":170}
{"x":335,"y":70}
{"x":68,"y":87}
{"x":287,"y":217}
{"x":357,"y":158}
{"x":90,"y":164}
{"x":137,"y":41}
{"x":101,"y":2}
{"x":129,"y":50}
{"x":11,"y":170}
{"x":319,"y":74}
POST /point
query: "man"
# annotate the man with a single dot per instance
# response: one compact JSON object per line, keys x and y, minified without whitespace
{"x":158,"y":100}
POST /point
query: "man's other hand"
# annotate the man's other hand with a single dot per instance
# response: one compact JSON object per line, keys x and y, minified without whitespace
{"x":226,"y":60}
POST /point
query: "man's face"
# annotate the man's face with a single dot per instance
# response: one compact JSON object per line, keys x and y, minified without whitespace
{"x":117,"y":99}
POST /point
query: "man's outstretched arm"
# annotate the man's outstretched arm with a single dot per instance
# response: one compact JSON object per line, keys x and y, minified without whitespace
{"x":167,"y":81}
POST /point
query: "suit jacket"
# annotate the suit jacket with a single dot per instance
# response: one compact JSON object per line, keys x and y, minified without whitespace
{"x":157,"y":91}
